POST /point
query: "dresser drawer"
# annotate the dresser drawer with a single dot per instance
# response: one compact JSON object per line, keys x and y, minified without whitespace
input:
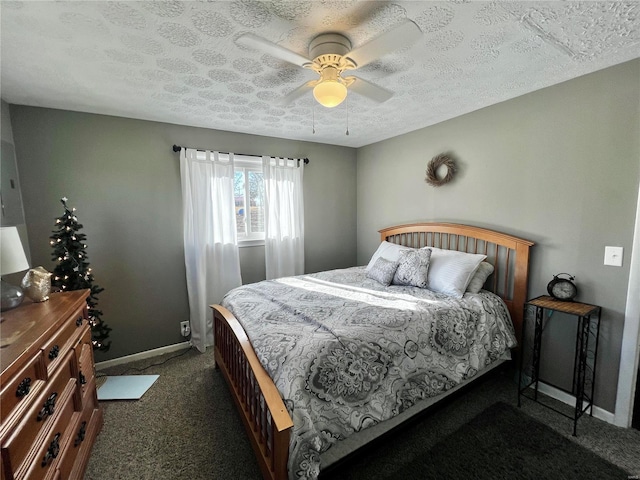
{"x":86,"y":372}
{"x":39,"y":417}
{"x":22,"y":387}
{"x":64,"y":339}
{"x":81,"y":440}
{"x":67,"y":457}
{"x":42,"y":461}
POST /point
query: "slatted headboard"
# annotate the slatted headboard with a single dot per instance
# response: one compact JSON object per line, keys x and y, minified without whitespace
{"x":508,"y":254}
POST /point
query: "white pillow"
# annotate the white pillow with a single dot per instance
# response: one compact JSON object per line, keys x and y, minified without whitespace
{"x":388,"y":250}
{"x":451,"y":271}
{"x":482,"y":273}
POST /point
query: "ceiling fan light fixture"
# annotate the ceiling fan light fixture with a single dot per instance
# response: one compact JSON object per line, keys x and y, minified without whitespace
{"x":331,"y":90}
{"x":330,"y":93}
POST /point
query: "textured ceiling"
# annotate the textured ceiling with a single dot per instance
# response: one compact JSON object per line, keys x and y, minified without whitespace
{"x":179,"y":62}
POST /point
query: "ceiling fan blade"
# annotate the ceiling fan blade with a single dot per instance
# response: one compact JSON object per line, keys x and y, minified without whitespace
{"x":273,"y":49}
{"x":370,"y":90}
{"x":297,"y":93}
{"x":402,"y":35}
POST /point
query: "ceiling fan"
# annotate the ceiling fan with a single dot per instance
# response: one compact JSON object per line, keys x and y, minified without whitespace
{"x":330,"y":54}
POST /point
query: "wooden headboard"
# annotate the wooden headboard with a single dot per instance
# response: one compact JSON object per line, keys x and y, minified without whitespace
{"x":508,"y":254}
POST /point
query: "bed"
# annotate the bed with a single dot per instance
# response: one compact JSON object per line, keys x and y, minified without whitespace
{"x":413,"y":346}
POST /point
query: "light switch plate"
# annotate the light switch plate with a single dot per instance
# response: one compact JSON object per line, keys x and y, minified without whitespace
{"x":613,"y":256}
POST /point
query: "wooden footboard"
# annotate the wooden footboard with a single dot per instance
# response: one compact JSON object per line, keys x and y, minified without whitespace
{"x":262,"y":410}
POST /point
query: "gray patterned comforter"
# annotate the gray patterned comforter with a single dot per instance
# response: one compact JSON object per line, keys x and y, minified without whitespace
{"x":346,"y":352}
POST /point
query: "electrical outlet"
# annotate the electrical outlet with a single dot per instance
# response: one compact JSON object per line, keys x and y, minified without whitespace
{"x":185,"y":328}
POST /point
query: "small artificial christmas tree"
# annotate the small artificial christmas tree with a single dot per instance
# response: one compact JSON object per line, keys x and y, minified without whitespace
{"x":73,"y":272}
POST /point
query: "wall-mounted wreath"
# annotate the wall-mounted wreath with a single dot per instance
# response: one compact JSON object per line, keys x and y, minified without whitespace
{"x":433,"y":166}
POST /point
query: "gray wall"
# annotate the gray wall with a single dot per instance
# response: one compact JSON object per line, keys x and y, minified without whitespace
{"x":12,"y":210}
{"x":124,"y":180}
{"x":6,"y":132}
{"x":559,"y":166}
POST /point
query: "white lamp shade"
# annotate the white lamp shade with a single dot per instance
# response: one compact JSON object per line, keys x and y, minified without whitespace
{"x":12,"y":257}
{"x":330,"y":93}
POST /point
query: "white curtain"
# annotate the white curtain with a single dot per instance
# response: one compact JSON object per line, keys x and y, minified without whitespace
{"x":210,"y":240}
{"x":284,"y":217}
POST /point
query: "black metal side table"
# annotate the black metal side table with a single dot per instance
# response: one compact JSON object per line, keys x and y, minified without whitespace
{"x":586,"y":352}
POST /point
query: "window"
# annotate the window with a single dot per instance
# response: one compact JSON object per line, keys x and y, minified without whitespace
{"x":249,"y":200}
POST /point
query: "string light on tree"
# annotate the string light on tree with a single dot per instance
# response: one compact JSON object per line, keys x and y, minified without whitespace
{"x":73,"y":272}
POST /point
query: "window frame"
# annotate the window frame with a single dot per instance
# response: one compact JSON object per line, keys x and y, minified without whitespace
{"x":247,"y":164}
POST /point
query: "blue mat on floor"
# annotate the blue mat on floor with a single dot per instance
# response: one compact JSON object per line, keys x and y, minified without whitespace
{"x":126,"y":387}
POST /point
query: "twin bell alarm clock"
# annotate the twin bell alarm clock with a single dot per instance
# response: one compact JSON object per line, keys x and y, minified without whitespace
{"x":562,"y":288}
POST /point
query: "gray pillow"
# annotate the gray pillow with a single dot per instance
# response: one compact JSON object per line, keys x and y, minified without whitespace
{"x":482,"y":273}
{"x":413,"y":267}
{"x":382,"y":271}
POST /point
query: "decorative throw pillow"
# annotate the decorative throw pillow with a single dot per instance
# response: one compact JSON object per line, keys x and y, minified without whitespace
{"x":451,"y":271}
{"x":413,"y":268}
{"x":388,"y":250}
{"x":383,"y":270}
{"x":477,"y":281}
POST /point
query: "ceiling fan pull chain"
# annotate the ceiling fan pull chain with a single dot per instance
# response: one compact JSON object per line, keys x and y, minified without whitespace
{"x":347,"y":107}
{"x":313,"y":118}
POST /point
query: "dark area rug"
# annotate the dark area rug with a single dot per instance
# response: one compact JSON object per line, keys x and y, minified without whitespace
{"x":505,"y":443}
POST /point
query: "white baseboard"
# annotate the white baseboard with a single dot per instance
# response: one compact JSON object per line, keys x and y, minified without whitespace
{"x":142,"y":355}
{"x":564,"y":397}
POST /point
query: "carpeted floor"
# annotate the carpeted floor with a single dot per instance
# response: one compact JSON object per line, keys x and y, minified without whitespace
{"x":186,"y":427}
{"x":500,"y":443}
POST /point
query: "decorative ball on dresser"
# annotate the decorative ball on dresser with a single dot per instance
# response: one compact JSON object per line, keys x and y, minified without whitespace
{"x":37,"y":284}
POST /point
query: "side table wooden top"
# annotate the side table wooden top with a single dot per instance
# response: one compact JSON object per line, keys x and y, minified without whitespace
{"x":574,"y":308}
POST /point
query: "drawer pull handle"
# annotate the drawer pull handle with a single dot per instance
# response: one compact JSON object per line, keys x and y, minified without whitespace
{"x":23,"y":388}
{"x":82,"y":378}
{"x":79,"y":322}
{"x":52,"y":451}
{"x":54,"y":352}
{"x":81,"y":433}
{"x":48,"y":407}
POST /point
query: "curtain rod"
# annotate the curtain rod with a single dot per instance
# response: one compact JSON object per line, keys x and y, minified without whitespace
{"x":176,"y":148}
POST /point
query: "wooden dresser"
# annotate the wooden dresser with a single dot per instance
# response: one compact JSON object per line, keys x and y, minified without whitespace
{"x":49,"y":412}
